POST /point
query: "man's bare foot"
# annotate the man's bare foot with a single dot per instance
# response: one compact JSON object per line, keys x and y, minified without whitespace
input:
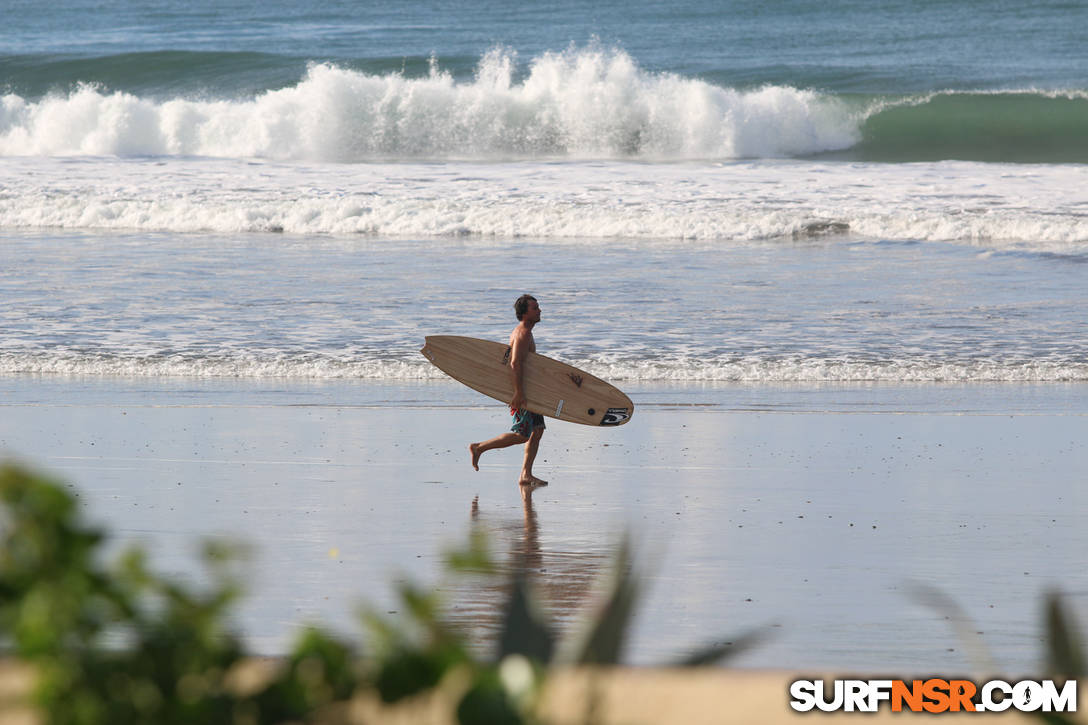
{"x":533,"y":481}
{"x":474,"y":449}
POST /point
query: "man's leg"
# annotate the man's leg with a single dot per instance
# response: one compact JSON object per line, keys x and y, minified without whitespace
{"x":501,"y":441}
{"x":527,"y":477}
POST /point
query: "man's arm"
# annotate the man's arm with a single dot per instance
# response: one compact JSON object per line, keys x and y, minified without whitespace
{"x":518,"y":352}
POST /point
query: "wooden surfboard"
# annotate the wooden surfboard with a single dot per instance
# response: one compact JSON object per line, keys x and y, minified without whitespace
{"x":552,"y":388}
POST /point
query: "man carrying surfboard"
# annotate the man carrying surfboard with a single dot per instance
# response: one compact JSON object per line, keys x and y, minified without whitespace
{"x":528,"y":427}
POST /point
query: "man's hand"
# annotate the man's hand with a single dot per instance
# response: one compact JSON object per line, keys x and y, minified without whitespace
{"x":518,"y":402}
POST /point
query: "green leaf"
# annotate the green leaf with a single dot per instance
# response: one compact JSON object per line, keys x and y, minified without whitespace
{"x":475,"y":558}
{"x":607,"y":633}
{"x":716,"y":652}
{"x":962,"y":625}
{"x":486,"y":703}
{"x":407,"y":672}
{"x":422,"y":605}
{"x":524,"y":631}
{"x":1065,"y":651}
{"x":320,"y":670}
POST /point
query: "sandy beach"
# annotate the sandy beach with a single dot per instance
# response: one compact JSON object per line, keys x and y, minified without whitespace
{"x":820,"y":514}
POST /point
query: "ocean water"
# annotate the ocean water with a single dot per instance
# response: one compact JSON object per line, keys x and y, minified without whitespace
{"x":792,"y":191}
{"x":218,"y":211}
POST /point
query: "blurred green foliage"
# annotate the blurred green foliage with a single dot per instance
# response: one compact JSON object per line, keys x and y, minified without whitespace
{"x":118,"y":644}
{"x":1063,"y":656}
{"x":1064,"y":651}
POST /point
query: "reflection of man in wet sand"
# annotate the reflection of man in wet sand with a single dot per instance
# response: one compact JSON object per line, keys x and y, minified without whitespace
{"x":528,"y":427}
{"x":529,"y":557}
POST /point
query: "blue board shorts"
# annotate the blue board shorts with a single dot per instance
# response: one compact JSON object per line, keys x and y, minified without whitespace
{"x":525,"y":423}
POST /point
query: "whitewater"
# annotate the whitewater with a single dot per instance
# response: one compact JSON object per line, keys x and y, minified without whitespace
{"x":585,"y":103}
{"x":578,"y":144}
{"x":1028,"y":208}
{"x":766,"y":233}
{"x":580,"y":104}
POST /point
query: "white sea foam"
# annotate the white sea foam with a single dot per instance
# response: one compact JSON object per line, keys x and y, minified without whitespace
{"x":318,"y":367}
{"x":1000,"y":206}
{"x":585,"y":145}
{"x":314,"y":367}
{"x":584,"y":103}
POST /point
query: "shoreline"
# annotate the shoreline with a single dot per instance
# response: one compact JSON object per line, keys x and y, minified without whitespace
{"x":816,"y":520}
{"x":866,"y":396}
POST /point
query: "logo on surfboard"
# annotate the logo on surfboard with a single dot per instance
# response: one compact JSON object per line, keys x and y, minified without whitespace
{"x":616,"y":416}
{"x":575,"y":378}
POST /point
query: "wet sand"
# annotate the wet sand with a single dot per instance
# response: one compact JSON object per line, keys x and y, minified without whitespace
{"x":816,"y":513}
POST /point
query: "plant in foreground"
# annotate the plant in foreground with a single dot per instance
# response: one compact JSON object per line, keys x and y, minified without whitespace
{"x":118,"y":644}
{"x":506,"y":687}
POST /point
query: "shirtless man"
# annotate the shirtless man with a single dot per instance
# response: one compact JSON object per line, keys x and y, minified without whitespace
{"x":528,"y":427}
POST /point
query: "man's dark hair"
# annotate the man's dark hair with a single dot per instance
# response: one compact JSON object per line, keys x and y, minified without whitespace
{"x":521,"y":305}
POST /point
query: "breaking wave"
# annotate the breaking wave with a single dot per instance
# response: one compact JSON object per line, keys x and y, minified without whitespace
{"x":588,"y":103}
